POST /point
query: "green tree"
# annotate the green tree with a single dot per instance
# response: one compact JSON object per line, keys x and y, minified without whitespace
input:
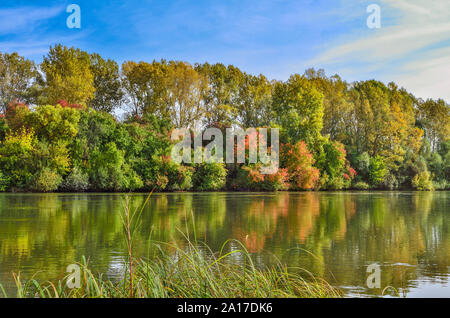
{"x":254,"y":102}
{"x":221,"y":96}
{"x":108,"y":87}
{"x":298,"y":109}
{"x":338,"y":106}
{"x":434,"y":117}
{"x":377,"y":170}
{"x":18,"y":79}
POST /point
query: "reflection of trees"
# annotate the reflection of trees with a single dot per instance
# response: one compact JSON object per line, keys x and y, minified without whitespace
{"x":344,"y":231}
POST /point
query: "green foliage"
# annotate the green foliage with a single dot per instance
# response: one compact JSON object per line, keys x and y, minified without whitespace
{"x":377,"y":170}
{"x":76,"y":181}
{"x":4,"y":182}
{"x":391,"y":136}
{"x":4,"y":129}
{"x":108,"y":171}
{"x":108,"y":88}
{"x":363,"y":165}
{"x":68,"y":76}
{"x":18,"y":79}
{"x":16,"y":158}
{"x":53,"y":123}
{"x":209,"y":176}
{"x":298,"y":109}
{"x":47,"y":180}
{"x":336,"y":172}
{"x":422,"y":181}
{"x":361,"y":186}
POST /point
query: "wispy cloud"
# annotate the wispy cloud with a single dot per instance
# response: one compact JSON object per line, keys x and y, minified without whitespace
{"x":409,"y":48}
{"x":17,"y":20}
{"x":31,"y":30}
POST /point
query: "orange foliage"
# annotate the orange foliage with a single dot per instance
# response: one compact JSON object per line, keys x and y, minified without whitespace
{"x":299,"y":161}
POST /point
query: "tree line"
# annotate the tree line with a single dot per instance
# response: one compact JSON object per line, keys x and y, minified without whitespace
{"x":58,"y":131}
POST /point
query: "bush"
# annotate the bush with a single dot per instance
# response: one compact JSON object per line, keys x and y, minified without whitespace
{"x":108,"y":170}
{"x":209,"y":176}
{"x":16,"y":158}
{"x":251,"y":179}
{"x":299,"y":162}
{"x":361,"y":186}
{"x":422,"y":181}
{"x":180,"y":178}
{"x":441,"y":185}
{"x":47,"y":180}
{"x":390,"y":182}
{"x":377,"y":170}
{"x":131,"y":180}
{"x":336,"y":172}
{"x":3,"y":129}
{"x":4,"y":182}
{"x":77,"y":181}
{"x":363,"y":165}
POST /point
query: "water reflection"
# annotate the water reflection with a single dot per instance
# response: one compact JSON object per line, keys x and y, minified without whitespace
{"x":332,"y":235}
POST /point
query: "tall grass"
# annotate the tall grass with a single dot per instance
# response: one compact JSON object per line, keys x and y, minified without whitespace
{"x":190,"y":270}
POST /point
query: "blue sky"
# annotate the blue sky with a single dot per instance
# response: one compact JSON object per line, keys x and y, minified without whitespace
{"x":276,"y":38}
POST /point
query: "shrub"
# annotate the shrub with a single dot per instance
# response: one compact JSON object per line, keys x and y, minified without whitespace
{"x":363,"y":164}
{"x":77,"y":181}
{"x":377,"y":170}
{"x":299,"y":162}
{"x":441,"y":185}
{"x":180,"y":177}
{"x":4,"y":182}
{"x":16,"y":157}
{"x":250,"y":178}
{"x":422,"y":181}
{"x":47,"y":180}
{"x":108,"y":170}
{"x":3,"y":128}
{"x":336,"y":172}
{"x":131,"y":180}
{"x":361,"y":186}
{"x":209,"y":176}
{"x":390,"y":182}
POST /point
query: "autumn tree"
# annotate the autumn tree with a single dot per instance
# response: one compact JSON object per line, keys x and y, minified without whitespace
{"x":68,"y":76}
{"x":185,"y":89}
{"x":145,"y":87}
{"x":299,"y":163}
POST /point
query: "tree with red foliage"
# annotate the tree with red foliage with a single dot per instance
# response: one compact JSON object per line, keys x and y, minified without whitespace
{"x":299,"y":162}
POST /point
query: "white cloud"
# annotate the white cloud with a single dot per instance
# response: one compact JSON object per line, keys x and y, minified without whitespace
{"x":25,"y":18}
{"x":429,"y":78}
{"x":412,"y":50}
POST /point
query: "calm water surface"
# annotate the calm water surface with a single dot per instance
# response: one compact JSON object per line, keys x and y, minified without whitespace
{"x":332,"y":235}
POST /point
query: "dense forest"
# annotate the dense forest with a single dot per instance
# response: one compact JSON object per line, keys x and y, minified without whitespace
{"x":78,"y":122}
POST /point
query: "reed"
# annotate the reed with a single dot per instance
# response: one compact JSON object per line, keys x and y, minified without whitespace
{"x":185,"y":272}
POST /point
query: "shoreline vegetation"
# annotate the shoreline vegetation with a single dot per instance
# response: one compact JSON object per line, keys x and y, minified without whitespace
{"x":60,"y":128}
